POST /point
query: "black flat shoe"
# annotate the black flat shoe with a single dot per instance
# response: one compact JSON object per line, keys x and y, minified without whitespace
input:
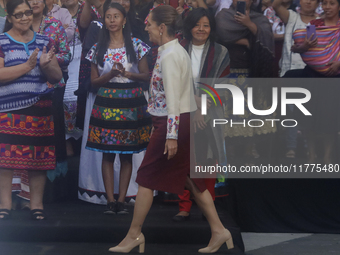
{"x":5,"y":214}
{"x":111,"y":208}
{"x":121,"y":209}
{"x":38,"y":214}
{"x":180,"y":218}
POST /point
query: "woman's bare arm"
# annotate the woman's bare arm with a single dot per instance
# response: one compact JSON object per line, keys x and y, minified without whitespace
{"x":281,"y":11}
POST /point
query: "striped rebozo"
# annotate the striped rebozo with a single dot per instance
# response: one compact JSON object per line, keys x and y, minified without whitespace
{"x":327,"y":50}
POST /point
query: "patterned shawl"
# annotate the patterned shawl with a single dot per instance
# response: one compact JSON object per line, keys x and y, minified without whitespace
{"x":214,"y":64}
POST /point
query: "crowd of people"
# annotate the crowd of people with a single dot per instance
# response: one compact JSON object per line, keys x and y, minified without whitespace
{"x":123,"y":76}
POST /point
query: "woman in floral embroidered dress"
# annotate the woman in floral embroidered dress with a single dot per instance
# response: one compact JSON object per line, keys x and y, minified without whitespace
{"x":119,"y":122}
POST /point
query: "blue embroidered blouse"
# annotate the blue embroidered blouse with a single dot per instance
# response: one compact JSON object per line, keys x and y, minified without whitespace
{"x":26,"y":90}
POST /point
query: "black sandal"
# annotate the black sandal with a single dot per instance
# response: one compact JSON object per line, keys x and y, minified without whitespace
{"x":5,"y":214}
{"x":36,"y":214}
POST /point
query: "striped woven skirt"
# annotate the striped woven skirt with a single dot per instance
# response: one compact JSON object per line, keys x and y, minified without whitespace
{"x":27,"y":137}
{"x":119,"y":120}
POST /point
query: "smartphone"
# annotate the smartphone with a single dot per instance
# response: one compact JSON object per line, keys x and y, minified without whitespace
{"x":311,"y":30}
{"x":174,"y":3}
{"x":241,"y":7}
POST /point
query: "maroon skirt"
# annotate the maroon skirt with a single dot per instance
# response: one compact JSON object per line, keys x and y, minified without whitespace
{"x":156,"y":171}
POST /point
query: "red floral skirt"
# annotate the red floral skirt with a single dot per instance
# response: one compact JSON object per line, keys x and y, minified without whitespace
{"x":27,"y":138}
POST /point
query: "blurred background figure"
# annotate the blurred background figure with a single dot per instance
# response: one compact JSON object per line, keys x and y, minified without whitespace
{"x":322,"y":61}
{"x":63,"y":15}
{"x":2,"y":15}
{"x":278,"y":28}
{"x":290,"y":60}
{"x":250,"y":42}
{"x":144,"y":12}
{"x":89,"y":11}
{"x":218,"y":5}
{"x":72,"y":132}
{"x":293,"y":21}
{"x":3,"y":12}
{"x":199,"y":32}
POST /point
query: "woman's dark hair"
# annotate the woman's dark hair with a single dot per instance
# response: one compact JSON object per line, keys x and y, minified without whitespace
{"x":322,"y":1}
{"x":192,"y":19}
{"x":131,"y":15}
{"x":168,"y":15}
{"x":104,"y":36}
{"x":10,"y":7}
{"x":45,"y":11}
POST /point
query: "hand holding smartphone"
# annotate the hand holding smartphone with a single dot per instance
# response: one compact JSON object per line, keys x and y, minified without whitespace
{"x":241,"y":7}
{"x":311,"y":31}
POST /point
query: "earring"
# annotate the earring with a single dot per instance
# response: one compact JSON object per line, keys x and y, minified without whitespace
{"x":160,"y":33}
{"x":123,"y":25}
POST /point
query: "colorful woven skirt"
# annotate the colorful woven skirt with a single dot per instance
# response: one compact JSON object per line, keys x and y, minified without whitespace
{"x":27,"y":138}
{"x":119,"y":120}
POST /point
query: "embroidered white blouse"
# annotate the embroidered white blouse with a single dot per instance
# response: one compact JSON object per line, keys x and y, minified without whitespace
{"x":171,"y":87}
{"x":119,"y":55}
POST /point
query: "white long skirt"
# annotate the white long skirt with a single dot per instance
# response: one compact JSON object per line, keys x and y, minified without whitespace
{"x":70,"y":99}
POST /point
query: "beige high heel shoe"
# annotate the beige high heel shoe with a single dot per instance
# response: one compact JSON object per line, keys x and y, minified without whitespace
{"x":139,"y":241}
{"x":225,"y":238}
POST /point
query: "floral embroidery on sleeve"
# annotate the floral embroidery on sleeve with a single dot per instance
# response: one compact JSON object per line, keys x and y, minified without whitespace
{"x":50,"y":44}
{"x":64,"y":54}
{"x":91,"y":55}
{"x":271,"y":15}
{"x":54,"y":30}
{"x":173,"y":124}
{"x":141,"y":48}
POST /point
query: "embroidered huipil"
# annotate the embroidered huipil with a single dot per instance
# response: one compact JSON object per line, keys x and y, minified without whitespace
{"x":119,"y":55}
{"x":24,"y":91}
{"x":64,"y":16}
{"x":171,"y":87}
{"x":54,"y":30}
